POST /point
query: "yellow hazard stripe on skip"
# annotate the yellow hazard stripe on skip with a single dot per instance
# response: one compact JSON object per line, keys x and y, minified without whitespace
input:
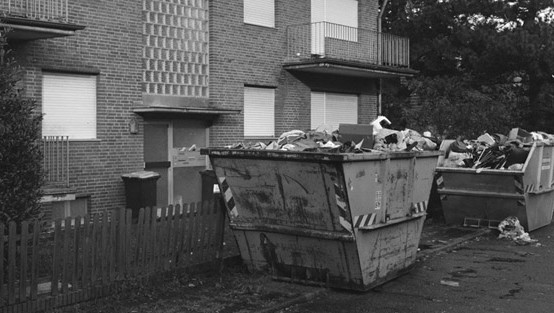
{"x":518,"y":184}
{"x":228,"y":197}
{"x":365,"y":220}
{"x":419,"y":207}
{"x":440,"y":181}
{"x":343,"y":209}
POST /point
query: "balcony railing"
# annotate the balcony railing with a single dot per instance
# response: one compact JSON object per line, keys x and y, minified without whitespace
{"x":56,"y":161}
{"x":44,"y":10}
{"x":346,"y":43}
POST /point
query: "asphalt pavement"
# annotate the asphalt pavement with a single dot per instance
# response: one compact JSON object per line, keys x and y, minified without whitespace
{"x":458,"y":270}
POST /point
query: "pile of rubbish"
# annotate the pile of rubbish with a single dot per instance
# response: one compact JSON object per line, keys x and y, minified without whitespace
{"x":495,"y":151}
{"x":377,"y":140}
{"x":510,"y":228}
{"x":297,"y":140}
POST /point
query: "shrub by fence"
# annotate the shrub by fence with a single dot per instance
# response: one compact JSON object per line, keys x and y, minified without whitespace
{"x":78,"y":259}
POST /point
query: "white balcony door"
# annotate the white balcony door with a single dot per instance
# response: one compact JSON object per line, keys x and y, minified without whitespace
{"x":333,"y":19}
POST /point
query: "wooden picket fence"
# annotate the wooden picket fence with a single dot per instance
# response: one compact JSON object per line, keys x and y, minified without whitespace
{"x":79,"y":259}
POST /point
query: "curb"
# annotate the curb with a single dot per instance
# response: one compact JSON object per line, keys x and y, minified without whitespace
{"x":451,"y":245}
{"x":300,"y":299}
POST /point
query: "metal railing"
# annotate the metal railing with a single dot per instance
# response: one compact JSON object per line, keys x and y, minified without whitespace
{"x":346,"y":43}
{"x":56,"y":160}
{"x":44,"y":10}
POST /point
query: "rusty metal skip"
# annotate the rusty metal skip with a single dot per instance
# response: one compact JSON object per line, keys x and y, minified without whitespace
{"x":349,"y":221}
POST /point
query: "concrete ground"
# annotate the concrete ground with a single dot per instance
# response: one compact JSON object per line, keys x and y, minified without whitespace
{"x":485,"y":274}
{"x":459,"y":269}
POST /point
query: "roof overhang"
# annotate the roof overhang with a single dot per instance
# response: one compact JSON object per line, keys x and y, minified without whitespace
{"x":342,"y":68}
{"x":182,"y":112}
{"x":24,"y":29}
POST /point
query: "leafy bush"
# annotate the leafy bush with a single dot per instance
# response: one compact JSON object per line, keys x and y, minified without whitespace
{"x":453,"y":106}
{"x":21,"y":174}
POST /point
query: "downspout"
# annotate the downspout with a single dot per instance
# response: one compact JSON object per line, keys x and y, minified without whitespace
{"x":380,"y":16}
{"x":379,"y":28}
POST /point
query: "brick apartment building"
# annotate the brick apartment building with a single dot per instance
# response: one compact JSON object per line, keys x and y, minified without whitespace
{"x":134,"y":85}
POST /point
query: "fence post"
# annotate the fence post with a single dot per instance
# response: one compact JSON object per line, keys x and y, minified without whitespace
{"x":113,"y":246}
{"x":167,"y":243}
{"x":23,"y":265}
{"x":2,"y":264}
{"x":87,"y":247}
{"x":128,"y":237}
{"x":153,"y":239}
{"x":76,"y":246}
{"x":34,"y":255}
{"x":191,"y":232}
{"x":182,"y":239}
{"x":104,"y":248}
{"x":66,"y":262}
{"x":122,"y":245}
{"x":210,"y":230}
{"x":55,"y":259}
{"x":141,"y":246}
{"x":11,"y":262}
{"x":202,"y":241}
{"x":220,"y":234}
{"x":162,"y":240}
{"x":177,"y":217}
{"x":95,"y":263}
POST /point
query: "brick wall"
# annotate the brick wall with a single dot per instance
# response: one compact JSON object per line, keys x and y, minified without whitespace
{"x":117,"y":46}
{"x":109,"y":47}
{"x":242,"y":54}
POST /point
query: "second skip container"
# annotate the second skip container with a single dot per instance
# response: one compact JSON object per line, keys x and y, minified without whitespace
{"x":349,"y":221}
{"x":487,"y":196}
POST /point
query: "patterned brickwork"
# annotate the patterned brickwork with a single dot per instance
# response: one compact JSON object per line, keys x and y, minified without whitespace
{"x":175,"y":52}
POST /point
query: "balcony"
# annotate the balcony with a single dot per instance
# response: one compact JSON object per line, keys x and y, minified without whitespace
{"x":36,"y":19}
{"x":55,"y":151}
{"x":332,"y":48}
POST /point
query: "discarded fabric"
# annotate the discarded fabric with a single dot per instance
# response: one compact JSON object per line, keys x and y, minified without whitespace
{"x":511,"y":228}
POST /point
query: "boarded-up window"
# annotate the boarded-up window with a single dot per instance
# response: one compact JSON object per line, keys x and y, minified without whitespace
{"x":328,"y":110}
{"x":259,"y":112}
{"x":259,"y":12}
{"x":69,"y":105}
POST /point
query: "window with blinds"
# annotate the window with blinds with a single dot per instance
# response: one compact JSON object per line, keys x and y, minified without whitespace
{"x":259,"y":112}
{"x":259,"y":12}
{"x":328,"y":110}
{"x":69,"y":105}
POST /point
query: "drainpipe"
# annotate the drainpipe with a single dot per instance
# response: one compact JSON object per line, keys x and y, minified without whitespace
{"x":380,"y":16}
{"x":379,"y":28}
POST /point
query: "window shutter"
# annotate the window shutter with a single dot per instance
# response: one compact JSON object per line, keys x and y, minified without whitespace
{"x":318,"y":110}
{"x":341,"y":109}
{"x":342,"y":12}
{"x":259,"y":12}
{"x":259,"y":112}
{"x":341,"y":17}
{"x":69,"y":105}
{"x":329,"y":110}
{"x":318,"y":11}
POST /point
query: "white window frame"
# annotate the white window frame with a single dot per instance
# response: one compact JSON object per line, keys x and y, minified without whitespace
{"x":259,"y":112}
{"x":328,"y":110}
{"x":259,"y":12}
{"x":69,"y":105}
